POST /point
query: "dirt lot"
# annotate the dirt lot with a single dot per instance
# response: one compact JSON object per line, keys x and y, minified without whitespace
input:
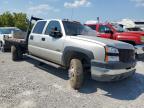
{"x":25,"y":85}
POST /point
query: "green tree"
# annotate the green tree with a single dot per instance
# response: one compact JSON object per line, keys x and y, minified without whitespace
{"x":19,"y":20}
{"x":0,"y":22}
{"x":7,"y":19}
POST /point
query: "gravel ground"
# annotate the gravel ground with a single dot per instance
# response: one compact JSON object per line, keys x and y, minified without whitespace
{"x":25,"y":85}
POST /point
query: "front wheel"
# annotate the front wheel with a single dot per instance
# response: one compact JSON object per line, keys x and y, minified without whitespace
{"x":76,"y":75}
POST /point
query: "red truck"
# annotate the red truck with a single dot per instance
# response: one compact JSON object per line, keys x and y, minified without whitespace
{"x":116,"y":32}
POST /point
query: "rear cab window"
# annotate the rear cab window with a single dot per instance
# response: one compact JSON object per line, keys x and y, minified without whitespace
{"x":38,"y":29}
{"x":92,"y":27}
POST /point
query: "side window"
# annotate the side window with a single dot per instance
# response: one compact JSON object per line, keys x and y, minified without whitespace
{"x":92,"y":27}
{"x":103,"y":29}
{"x":39,"y":27}
{"x":53,"y":25}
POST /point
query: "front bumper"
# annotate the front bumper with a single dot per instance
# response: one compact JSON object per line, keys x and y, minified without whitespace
{"x":111,"y":71}
{"x":139,"y":49}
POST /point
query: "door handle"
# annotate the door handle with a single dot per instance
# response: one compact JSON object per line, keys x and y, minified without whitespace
{"x":43,"y":39}
{"x":31,"y":37}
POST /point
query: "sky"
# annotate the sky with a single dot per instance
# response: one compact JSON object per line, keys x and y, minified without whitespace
{"x":80,"y":10}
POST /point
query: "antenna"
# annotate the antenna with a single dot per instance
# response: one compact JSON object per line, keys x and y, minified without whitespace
{"x":98,"y":19}
{"x":72,"y":14}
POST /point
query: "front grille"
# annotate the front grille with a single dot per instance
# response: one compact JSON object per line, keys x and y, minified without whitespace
{"x":126,"y":55}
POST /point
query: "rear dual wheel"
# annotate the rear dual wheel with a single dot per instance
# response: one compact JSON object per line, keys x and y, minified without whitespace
{"x":0,"y":45}
{"x":2,"y":48}
{"x":16,"y":53}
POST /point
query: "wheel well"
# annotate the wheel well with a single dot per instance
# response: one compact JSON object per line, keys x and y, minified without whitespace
{"x":130,"y":42}
{"x":85,"y":59}
{"x":86,"y":62}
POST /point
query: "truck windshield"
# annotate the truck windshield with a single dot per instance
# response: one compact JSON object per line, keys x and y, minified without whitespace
{"x":8,"y":31}
{"x":118,"y":28}
{"x":75,"y":28}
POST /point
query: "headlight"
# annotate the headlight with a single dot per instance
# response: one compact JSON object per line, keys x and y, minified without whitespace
{"x":112,"y":50}
{"x":142,"y":38}
{"x":112,"y":54}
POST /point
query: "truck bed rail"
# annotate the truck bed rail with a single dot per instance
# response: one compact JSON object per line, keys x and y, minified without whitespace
{"x":14,"y":41}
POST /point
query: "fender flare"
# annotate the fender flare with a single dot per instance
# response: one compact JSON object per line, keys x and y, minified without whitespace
{"x":70,"y":52}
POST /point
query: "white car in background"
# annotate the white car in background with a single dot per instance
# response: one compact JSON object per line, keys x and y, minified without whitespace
{"x":9,"y":32}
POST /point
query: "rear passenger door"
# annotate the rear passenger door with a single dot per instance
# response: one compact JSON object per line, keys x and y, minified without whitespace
{"x":34,"y":42}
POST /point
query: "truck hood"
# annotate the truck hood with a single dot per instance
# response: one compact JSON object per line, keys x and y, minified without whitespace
{"x":132,"y":33}
{"x":104,"y":42}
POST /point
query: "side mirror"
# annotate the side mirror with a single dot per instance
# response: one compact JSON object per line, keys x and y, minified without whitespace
{"x":56,"y":34}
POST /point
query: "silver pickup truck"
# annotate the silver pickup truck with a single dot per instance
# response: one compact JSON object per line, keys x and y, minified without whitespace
{"x":75,"y":46}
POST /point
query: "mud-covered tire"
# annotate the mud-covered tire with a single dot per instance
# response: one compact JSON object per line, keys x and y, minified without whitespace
{"x":16,"y":53}
{"x":3,"y":49}
{"x":0,"y":46}
{"x":76,"y":75}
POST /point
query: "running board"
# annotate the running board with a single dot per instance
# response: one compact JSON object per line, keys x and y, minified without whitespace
{"x":44,"y":61}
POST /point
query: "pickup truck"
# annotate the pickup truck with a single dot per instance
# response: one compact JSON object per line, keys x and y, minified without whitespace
{"x":116,"y":32}
{"x":9,"y":32}
{"x":75,"y":47}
